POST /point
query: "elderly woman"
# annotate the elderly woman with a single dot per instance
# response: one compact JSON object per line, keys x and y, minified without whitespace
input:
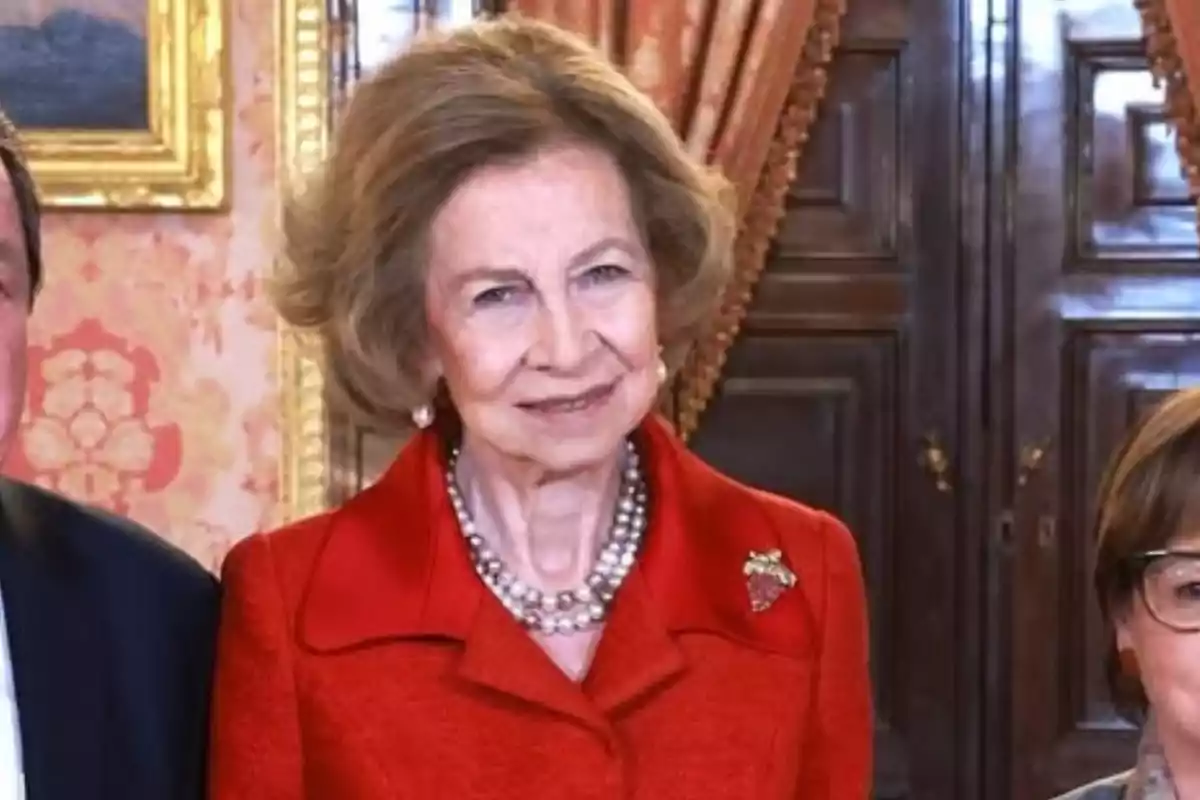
{"x":1148,"y":582}
{"x":546,"y":595}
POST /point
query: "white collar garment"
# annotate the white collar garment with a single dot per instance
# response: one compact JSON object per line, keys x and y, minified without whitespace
{"x":12,"y":772}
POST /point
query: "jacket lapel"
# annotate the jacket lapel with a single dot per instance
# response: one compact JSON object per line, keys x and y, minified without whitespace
{"x":56,"y":644}
{"x":500,"y":656}
{"x":703,"y":529}
{"x":636,"y":655}
{"x":394,"y":566}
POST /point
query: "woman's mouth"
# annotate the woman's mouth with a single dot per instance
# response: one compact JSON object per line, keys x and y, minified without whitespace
{"x":571,"y":404}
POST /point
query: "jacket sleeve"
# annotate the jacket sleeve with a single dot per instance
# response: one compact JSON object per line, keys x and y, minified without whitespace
{"x":837,"y":757}
{"x":255,"y":743}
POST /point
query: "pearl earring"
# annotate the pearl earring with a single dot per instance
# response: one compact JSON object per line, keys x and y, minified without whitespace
{"x":422,"y":416}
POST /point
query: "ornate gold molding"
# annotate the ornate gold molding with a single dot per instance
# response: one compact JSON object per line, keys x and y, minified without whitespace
{"x":180,"y":162}
{"x":700,"y":375}
{"x":1167,"y":63}
{"x":303,"y":100}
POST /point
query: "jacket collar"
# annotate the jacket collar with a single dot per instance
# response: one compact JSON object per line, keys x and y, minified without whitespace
{"x":394,"y":566}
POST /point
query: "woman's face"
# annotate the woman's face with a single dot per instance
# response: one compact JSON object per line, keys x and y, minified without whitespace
{"x":1168,"y":660}
{"x":542,"y":307}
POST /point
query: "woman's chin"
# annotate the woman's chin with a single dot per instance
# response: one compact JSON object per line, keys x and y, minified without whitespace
{"x":572,"y":454}
{"x":560,"y":449}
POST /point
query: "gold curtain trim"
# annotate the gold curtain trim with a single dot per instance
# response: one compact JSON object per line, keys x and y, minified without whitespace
{"x":1166,"y":62}
{"x":702,"y":372}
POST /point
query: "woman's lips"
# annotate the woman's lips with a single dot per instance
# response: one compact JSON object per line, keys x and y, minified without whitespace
{"x":588,"y":400}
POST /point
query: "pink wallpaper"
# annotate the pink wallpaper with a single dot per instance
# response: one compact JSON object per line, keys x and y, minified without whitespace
{"x":152,"y":370}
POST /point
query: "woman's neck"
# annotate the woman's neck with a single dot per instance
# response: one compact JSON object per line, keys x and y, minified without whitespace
{"x":547,"y":528}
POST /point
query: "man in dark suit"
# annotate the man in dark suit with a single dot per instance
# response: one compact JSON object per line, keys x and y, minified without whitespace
{"x":107,"y":639}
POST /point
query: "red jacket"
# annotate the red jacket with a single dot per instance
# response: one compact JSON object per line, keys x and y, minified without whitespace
{"x":361,"y":658}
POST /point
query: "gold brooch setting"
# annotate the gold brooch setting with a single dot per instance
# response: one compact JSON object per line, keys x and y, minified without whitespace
{"x":767,"y":577}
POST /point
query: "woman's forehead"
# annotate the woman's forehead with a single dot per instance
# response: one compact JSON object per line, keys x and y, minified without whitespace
{"x":549,"y":207}
{"x":1189,"y":539}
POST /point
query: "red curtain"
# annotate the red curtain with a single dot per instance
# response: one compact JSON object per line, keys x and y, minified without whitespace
{"x":1172,"y":29}
{"x":741,"y":80}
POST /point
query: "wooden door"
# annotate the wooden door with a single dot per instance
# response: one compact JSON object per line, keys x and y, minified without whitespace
{"x":1099,"y":290}
{"x":852,"y":354}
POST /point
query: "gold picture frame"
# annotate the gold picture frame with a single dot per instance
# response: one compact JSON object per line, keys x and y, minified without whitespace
{"x":179,"y":162}
{"x":304,"y":97}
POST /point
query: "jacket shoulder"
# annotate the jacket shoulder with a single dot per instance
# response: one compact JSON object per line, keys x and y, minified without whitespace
{"x":283,"y":557}
{"x":1110,"y":788}
{"x":802,"y":532}
{"x":112,"y":543}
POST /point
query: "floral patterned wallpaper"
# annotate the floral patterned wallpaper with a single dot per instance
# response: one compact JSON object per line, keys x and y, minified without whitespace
{"x":152,"y":389}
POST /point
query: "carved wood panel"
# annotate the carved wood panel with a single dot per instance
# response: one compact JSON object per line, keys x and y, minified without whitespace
{"x":848,"y":357}
{"x":1105,"y":318}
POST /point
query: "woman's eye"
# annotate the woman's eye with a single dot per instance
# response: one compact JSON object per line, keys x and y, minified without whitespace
{"x":604,"y":273}
{"x":497,"y":295}
{"x":1189,"y":592}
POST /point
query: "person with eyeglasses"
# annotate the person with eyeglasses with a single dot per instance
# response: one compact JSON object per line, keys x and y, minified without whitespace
{"x":1147,"y":579}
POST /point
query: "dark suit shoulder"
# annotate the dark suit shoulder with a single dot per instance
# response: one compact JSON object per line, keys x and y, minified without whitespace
{"x":110,"y":542}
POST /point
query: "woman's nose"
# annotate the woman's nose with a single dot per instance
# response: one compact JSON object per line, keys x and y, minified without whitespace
{"x":561,"y":340}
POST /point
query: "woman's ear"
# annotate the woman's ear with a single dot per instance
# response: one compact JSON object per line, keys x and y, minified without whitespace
{"x":1121,"y":627}
{"x":434,"y":373}
{"x":432,"y":366}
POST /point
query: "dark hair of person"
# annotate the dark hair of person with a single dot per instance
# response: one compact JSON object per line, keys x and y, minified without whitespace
{"x":29,"y":207}
{"x":1150,"y":494}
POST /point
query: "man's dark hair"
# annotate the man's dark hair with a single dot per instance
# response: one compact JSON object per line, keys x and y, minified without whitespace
{"x":29,"y":207}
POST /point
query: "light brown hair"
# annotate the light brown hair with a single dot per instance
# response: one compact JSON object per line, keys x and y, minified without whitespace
{"x":1149,"y":495}
{"x":29,"y":209}
{"x":491,"y":92}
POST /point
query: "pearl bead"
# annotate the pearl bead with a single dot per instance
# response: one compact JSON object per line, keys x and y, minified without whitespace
{"x":567,"y":611}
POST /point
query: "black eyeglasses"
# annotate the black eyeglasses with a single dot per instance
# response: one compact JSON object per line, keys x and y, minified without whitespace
{"x":1169,"y":582}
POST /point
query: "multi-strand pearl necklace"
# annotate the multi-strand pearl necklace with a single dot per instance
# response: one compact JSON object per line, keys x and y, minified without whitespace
{"x":568,"y":611}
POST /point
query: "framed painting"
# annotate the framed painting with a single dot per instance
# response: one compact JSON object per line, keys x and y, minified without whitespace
{"x":123,"y":103}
